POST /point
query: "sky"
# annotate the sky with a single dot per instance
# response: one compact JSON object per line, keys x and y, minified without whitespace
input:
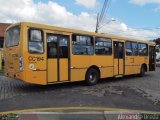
{"x":129,"y":18}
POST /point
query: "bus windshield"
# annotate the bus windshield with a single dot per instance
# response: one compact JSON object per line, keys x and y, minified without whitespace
{"x":13,"y":36}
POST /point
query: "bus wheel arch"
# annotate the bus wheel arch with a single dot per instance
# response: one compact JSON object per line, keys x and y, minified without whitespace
{"x":145,"y":66}
{"x":92,"y":75}
{"x":143,"y":70}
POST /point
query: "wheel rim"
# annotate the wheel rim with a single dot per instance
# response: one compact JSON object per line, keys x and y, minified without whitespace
{"x":143,"y":71}
{"x":92,"y":77}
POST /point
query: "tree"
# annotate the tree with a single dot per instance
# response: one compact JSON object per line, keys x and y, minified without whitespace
{"x":157,"y":41}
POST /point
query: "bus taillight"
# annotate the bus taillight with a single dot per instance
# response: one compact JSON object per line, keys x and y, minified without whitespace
{"x":21,"y":63}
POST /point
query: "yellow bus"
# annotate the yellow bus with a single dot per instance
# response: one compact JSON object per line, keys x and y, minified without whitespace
{"x":42,"y":54}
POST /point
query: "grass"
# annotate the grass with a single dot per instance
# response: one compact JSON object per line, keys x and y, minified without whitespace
{"x":1,"y":71}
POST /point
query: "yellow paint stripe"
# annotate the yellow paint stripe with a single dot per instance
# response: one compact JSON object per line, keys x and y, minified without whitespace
{"x":76,"y":108}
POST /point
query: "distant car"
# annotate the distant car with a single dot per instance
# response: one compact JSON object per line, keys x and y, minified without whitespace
{"x":157,"y":53}
{"x":157,"y":57}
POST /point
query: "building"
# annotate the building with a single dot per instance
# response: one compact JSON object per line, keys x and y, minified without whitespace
{"x":3,"y":27}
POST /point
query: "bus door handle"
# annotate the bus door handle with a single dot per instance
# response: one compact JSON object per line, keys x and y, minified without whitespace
{"x":72,"y":67}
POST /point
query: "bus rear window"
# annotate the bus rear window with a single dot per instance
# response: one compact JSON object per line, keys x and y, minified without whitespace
{"x":13,"y":36}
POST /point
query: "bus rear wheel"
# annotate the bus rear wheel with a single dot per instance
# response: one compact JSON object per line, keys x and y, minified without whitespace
{"x":92,"y":77}
{"x":142,"y":72}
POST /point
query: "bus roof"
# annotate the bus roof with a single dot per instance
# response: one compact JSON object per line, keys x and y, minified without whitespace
{"x":61,"y":29}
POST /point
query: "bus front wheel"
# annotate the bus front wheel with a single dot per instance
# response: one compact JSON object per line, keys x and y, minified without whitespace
{"x":92,"y":77}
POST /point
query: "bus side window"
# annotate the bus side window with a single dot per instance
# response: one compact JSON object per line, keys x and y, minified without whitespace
{"x":52,"y":46}
{"x":103,"y":46}
{"x":121,"y":50}
{"x":35,"y":42}
{"x":63,"y":47}
{"x":135,"y":48}
{"x":82,"y":45}
{"x":116,"y":50}
{"x":128,"y":49}
{"x":143,"y":49}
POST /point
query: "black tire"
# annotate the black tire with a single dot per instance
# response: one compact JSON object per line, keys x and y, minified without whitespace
{"x":142,"y":71}
{"x":92,"y":77}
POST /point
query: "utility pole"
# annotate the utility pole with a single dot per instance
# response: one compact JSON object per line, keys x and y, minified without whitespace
{"x":97,"y":24}
{"x":100,"y":17}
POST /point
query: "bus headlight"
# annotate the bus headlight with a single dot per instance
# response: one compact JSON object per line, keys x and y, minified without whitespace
{"x":21,"y":63}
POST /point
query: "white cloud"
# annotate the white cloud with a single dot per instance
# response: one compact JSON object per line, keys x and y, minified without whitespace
{"x":87,"y":3}
{"x":121,"y":29}
{"x":144,"y":2}
{"x":47,"y":13}
{"x":124,"y":26}
{"x":157,"y":9}
{"x":53,"y":14}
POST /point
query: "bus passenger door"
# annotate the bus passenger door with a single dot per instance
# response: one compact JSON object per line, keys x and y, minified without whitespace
{"x":118,"y":58}
{"x":58,"y":57}
{"x":152,"y":58}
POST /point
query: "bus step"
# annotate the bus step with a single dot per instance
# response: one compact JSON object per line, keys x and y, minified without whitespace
{"x":118,"y":76}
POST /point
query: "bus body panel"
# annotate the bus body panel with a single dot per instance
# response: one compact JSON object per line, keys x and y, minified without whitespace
{"x":63,"y":66}
{"x":129,"y":65}
{"x":78,"y":74}
{"x":52,"y":71}
{"x":119,"y":58}
{"x":121,"y":67}
{"x":105,"y":64}
{"x":116,"y":67}
{"x":58,"y":67}
{"x":34,"y":64}
{"x":79,"y":66}
{"x":136,"y":65}
{"x":12,"y":56}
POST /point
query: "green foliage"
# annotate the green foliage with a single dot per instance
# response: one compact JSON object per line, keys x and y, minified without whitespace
{"x":157,"y":41}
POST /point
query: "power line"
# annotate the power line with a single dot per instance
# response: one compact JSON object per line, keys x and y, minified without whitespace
{"x":106,"y":23}
{"x":100,"y":18}
{"x":129,"y":35}
{"x":105,"y":15}
{"x":126,"y":33}
{"x":103,"y":10}
{"x":149,"y":28}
